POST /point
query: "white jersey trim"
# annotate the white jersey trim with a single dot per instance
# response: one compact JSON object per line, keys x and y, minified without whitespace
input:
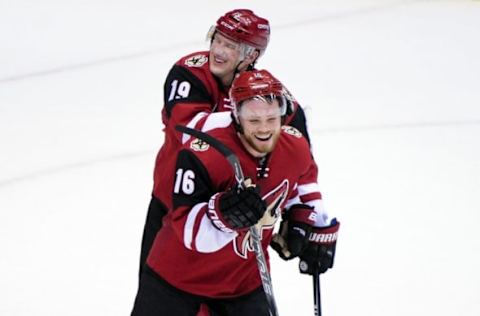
{"x":208,"y":238}
{"x":305,"y":189}
{"x":211,"y":239}
{"x":191,"y":124}
{"x":190,"y":223}
{"x":217,"y":120}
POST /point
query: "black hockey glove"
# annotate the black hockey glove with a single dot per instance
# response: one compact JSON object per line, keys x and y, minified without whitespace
{"x":292,"y":237}
{"x":238,"y":208}
{"x":320,"y":252}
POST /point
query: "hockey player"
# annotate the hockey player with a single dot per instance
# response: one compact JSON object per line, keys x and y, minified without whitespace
{"x":203,"y":253}
{"x":196,"y":86}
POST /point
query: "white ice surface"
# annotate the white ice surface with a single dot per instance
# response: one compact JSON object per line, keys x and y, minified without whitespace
{"x":393,"y":101}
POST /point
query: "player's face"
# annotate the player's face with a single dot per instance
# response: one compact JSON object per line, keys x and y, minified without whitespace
{"x":224,"y":57}
{"x":261,"y":123}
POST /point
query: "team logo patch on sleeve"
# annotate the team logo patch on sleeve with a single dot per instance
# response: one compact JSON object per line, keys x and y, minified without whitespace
{"x":199,"y":145}
{"x":292,"y":131}
{"x":196,"y":61}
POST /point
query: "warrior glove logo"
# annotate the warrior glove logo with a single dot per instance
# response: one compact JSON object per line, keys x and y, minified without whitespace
{"x":323,"y":238}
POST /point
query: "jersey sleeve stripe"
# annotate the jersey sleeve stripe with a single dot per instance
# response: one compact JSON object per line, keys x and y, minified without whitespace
{"x":305,"y":189}
{"x":292,"y":201}
{"x":191,"y":124}
{"x":211,"y":239}
{"x":189,"y":230}
{"x":217,"y":120}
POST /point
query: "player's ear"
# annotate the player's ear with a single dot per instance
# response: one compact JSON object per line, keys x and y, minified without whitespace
{"x":250,"y":59}
{"x":252,"y":56}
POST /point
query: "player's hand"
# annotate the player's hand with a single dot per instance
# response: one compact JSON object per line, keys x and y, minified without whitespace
{"x":295,"y":228}
{"x":320,"y":252}
{"x":238,"y":208}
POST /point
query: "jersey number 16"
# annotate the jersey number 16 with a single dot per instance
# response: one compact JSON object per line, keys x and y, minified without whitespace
{"x":184,"y":181}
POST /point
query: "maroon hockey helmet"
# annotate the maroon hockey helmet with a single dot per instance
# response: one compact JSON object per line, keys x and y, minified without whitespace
{"x":244,"y":26}
{"x":257,"y":84}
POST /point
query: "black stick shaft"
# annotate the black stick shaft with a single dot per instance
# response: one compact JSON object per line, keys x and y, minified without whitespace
{"x":316,"y":294}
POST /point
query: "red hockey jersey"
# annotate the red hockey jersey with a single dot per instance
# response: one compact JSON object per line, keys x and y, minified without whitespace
{"x":190,"y":252}
{"x":191,"y":94}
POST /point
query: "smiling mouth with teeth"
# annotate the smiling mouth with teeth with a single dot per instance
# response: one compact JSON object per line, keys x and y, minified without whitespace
{"x":263,"y":139}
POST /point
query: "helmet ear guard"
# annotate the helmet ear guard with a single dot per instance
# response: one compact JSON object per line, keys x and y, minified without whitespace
{"x":290,"y":100}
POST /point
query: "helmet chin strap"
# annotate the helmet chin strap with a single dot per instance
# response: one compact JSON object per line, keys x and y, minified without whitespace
{"x":237,"y":70}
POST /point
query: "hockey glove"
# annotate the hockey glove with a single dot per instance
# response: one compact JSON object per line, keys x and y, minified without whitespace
{"x":238,"y":208}
{"x":320,"y":252}
{"x":295,"y":228}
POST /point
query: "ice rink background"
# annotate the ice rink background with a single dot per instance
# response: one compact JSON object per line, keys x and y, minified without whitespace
{"x":393,"y":103}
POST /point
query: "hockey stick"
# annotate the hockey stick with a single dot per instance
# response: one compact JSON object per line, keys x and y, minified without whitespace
{"x":240,"y":178}
{"x":317,"y":307}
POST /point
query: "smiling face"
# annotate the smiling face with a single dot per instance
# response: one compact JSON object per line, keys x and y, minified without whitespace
{"x":226,"y":56}
{"x":260,"y":120}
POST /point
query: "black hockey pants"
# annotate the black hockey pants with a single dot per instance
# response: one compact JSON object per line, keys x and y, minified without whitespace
{"x":156,"y":297}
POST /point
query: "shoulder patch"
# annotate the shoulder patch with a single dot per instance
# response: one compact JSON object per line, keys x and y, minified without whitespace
{"x":292,"y":131}
{"x":199,"y":145}
{"x":196,"y":60}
